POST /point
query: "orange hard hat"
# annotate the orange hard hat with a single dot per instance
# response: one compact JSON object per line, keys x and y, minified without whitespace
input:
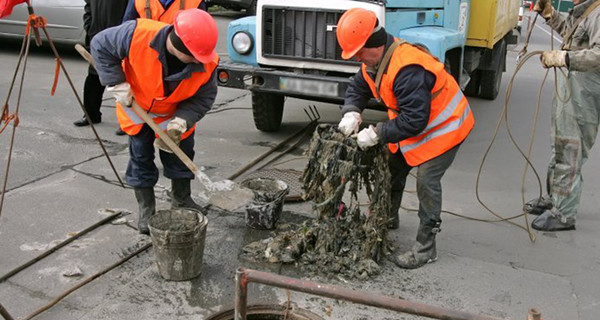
{"x":354,"y":29}
{"x":198,"y":32}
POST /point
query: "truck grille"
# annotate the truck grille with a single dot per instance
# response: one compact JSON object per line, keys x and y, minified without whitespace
{"x":301,"y":34}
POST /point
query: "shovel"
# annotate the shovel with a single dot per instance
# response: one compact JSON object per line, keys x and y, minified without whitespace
{"x":224,"y":194}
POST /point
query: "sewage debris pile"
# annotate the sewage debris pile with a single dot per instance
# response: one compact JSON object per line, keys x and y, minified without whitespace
{"x":343,"y":240}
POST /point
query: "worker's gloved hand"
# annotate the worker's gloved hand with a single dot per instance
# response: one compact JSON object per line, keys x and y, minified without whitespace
{"x":544,"y":8}
{"x":122,"y":93}
{"x":554,"y":58}
{"x":350,"y":123}
{"x":367,"y":138}
{"x":175,"y":129}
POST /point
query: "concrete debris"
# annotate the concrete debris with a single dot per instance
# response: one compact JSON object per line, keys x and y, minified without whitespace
{"x":72,"y":271}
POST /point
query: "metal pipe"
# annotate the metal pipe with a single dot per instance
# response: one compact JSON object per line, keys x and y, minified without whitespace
{"x":241,"y":294}
{"x":58,"y":246}
{"x":245,"y":276}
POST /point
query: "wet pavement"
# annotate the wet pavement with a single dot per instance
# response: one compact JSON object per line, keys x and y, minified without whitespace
{"x":60,"y":184}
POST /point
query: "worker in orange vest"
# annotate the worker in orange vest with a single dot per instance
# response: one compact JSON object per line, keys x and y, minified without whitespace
{"x":429,"y":117}
{"x":159,"y":10}
{"x":170,"y":72}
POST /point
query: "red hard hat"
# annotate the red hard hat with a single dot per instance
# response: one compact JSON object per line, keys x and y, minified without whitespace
{"x":199,"y":33}
{"x":354,"y":29}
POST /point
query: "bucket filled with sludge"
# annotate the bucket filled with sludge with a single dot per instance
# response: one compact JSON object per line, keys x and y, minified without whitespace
{"x":264,"y":210}
{"x":178,"y":237}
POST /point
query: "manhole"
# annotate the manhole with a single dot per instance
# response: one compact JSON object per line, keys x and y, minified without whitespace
{"x":291,"y":177}
{"x":268,"y":312}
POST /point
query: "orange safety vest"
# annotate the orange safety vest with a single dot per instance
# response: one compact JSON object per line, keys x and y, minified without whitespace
{"x":143,"y":71}
{"x":450,"y":118}
{"x":153,"y":9}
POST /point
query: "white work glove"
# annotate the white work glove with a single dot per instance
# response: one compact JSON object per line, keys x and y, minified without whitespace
{"x":350,"y":123}
{"x":367,"y":138}
{"x":554,"y":58}
{"x":544,"y":8}
{"x":122,"y":93}
{"x":175,"y":129}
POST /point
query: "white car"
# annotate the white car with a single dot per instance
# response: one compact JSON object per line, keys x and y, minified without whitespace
{"x":64,"y":17}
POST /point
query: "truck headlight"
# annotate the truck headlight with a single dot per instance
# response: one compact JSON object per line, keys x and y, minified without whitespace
{"x":242,"y":42}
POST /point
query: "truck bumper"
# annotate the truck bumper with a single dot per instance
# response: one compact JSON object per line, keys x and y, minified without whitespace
{"x":268,"y":80}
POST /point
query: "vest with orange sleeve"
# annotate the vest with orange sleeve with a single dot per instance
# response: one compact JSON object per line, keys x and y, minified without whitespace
{"x":143,"y":71}
{"x":450,"y":118}
{"x":153,"y":9}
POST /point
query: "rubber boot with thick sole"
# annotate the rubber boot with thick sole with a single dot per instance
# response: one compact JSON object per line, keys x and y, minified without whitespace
{"x":146,"y":206}
{"x":422,"y":252}
{"x":394,"y":220}
{"x":538,"y":206}
{"x":181,"y":195}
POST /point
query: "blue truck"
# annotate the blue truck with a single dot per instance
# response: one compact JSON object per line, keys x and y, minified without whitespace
{"x":289,"y":48}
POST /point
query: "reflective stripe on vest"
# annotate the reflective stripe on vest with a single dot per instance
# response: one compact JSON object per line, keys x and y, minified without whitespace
{"x":450,"y":119}
{"x":429,"y":135}
{"x":153,"y":9}
{"x":143,"y":71}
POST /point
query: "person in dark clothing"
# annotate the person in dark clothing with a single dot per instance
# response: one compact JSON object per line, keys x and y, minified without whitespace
{"x":131,"y":13}
{"x":98,"y":15}
{"x":429,"y":117}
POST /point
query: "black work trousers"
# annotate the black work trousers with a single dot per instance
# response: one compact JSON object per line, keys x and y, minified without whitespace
{"x":92,"y":96}
{"x":429,"y":183}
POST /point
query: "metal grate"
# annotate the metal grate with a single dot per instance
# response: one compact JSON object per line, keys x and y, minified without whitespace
{"x":301,"y":33}
{"x":290,"y":176}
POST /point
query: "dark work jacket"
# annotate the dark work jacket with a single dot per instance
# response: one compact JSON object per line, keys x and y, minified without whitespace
{"x":412,"y":87}
{"x":101,"y":14}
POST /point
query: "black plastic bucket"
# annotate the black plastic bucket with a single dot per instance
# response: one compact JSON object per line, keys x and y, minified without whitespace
{"x":264,"y":211}
{"x":178,"y":237}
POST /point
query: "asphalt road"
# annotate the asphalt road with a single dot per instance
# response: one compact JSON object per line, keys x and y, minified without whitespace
{"x":59,"y":183}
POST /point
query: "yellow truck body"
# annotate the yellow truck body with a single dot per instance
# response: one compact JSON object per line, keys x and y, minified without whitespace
{"x":490,"y":21}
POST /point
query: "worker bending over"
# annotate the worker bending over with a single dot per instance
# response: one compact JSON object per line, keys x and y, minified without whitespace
{"x":429,"y":117}
{"x":169,"y":70}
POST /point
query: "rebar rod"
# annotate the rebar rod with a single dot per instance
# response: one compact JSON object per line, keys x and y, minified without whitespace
{"x":58,"y":246}
{"x":86,"y":281}
{"x":4,"y":313}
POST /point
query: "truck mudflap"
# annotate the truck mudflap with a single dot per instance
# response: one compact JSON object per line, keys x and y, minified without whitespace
{"x":268,"y":80}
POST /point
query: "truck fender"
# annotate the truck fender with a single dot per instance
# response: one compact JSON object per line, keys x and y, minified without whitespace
{"x":247,"y":25}
{"x":437,"y":40}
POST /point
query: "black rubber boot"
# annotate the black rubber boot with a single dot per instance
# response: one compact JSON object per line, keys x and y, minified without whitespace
{"x":147,"y":207}
{"x":538,"y":206}
{"x":394,"y":221}
{"x":422,"y":252}
{"x":181,"y":195}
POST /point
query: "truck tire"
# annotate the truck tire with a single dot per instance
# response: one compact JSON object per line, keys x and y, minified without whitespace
{"x":472,"y":88}
{"x":267,"y":109}
{"x":491,"y":79}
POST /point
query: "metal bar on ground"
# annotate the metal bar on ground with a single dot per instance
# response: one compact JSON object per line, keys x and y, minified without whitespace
{"x":4,"y":313}
{"x":266,"y":154}
{"x":58,"y":246}
{"x":244,"y":276}
{"x":86,"y":281}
